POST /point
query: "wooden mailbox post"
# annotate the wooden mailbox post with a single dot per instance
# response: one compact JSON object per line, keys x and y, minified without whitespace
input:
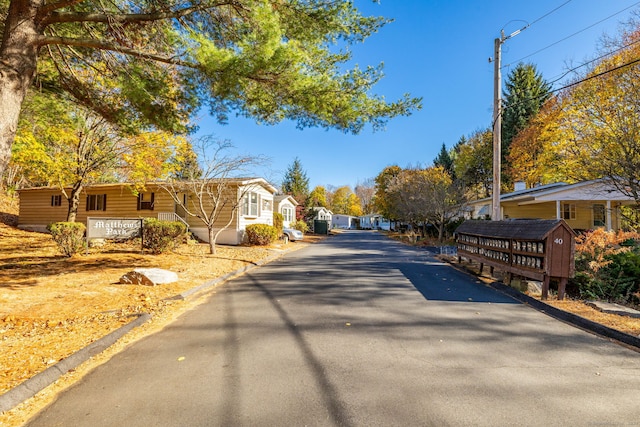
{"x":532,"y":248}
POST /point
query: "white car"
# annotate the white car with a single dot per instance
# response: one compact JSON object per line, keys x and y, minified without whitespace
{"x":291,"y":234}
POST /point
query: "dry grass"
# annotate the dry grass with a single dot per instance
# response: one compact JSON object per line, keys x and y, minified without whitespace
{"x":52,"y":306}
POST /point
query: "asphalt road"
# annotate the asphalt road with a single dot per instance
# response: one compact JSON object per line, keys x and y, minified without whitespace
{"x":359,"y":331}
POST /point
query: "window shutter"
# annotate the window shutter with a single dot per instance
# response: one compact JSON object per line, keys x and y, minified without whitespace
{"x":87,"y":206}
{"x":152,"y":200}
{"x":139,"y":200}
{"x":104,"y":203}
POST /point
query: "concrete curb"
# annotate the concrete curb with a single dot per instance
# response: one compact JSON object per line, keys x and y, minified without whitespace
{"x":570,"y":318}
{"x":30,"y":387}
{"x":38,"y":382}
{"x":211,"y":283}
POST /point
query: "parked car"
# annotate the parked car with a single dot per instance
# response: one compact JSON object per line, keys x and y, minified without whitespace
{"x":291,"y":234}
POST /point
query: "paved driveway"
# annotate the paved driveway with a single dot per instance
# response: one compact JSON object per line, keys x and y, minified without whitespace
{"x":359,"y":331}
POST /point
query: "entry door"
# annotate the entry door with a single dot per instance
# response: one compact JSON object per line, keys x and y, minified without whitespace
{"x":599,"y":215}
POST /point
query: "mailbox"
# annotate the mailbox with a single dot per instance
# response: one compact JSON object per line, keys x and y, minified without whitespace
{"x":532,"y":248}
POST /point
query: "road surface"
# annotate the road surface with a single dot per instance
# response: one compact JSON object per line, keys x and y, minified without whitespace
{"x":359,"y":330}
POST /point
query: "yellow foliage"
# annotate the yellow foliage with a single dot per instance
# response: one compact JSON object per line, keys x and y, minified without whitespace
{"x":599,"y":243}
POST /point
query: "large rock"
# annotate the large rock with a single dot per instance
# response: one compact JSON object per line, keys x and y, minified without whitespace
{"x":149,"y":277}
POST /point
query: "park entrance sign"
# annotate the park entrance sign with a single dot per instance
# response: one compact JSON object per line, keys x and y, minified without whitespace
{"x":114,"y":228}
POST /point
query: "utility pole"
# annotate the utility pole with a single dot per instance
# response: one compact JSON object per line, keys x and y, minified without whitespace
{"x":497,"y":122}
{"x":497,"y":128}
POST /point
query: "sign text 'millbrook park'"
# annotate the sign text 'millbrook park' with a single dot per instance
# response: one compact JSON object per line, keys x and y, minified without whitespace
{"x":114,"y":228}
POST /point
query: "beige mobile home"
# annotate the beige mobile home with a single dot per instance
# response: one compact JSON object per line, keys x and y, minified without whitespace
{"x":44,"y":205}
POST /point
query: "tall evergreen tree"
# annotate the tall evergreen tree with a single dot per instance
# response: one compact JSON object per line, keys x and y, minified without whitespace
{"x":524,"y":93}
{"x":445,"y":161}
{"x":295,"y":182}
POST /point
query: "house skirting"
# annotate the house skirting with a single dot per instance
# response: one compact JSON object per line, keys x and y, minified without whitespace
{"x":227,"y":237}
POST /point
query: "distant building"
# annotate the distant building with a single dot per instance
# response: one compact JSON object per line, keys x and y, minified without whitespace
{"x":374,"y":222}
{"x":347,"y":222}
{"x":286,"y":205}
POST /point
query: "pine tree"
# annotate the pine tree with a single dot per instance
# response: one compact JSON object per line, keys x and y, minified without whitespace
{"x":445,"y":161}
{"x":525,"y":92}
{"x":295,"y":182}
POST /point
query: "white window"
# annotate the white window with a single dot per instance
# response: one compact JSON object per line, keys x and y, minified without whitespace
{"x":568,"y":211}
{"x":287,"y":213}
{"x":250,"y":204}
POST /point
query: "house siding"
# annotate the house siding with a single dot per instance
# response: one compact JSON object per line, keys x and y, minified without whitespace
{"x":584,"y":212}
{"x":36,"y":211}
{"x":265,"y":208}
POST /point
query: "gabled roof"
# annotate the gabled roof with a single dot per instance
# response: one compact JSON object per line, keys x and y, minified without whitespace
{"x":525,"y":229}
{"x":321,"y":208}
{"x":282,"y":197}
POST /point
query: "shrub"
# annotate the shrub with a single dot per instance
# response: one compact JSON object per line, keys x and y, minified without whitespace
{"x":278,"y":222}
{"x":607,"y":266}
{"x":261,"y":234}
{"x":161,"y":236}
{"x":69,"y":236}
{"x":300,"y":225}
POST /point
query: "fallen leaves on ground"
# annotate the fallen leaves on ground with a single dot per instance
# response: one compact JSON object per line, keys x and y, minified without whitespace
{"x":52,"y":306}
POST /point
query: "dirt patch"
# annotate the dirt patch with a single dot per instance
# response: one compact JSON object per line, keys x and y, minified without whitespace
{"x":52,"y":306}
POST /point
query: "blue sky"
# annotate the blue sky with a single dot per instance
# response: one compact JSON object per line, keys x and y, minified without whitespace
{"x":437,"y":50}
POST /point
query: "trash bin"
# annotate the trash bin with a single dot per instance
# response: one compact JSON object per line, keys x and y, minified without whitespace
{"x":321,"y":226}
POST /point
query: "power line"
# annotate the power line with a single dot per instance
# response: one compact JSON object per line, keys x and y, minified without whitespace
{"x":577,"y":82}
{"x":627,"y":64}
{"x":549,"y":13}
{"x":594,"y":60}
{"x":569,"y":36}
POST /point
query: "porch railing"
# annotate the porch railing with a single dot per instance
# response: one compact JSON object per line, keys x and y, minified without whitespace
{"x":172,"y":216}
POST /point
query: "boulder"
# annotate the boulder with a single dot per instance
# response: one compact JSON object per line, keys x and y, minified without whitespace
{"x":149,"y":277}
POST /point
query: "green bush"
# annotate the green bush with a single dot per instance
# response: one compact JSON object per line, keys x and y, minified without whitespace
{"x":618,"y":280}
{"x":300,"y":225}
{"x":261,"y":234}
{"x":69,"y":236}
{"x":161,"y":236}
{"x":278,"y":222}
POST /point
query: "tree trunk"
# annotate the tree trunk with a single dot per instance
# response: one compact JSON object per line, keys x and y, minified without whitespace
{"x":74,"y":202}
{"x":212,"y":240}
{"x":18,"y":59}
